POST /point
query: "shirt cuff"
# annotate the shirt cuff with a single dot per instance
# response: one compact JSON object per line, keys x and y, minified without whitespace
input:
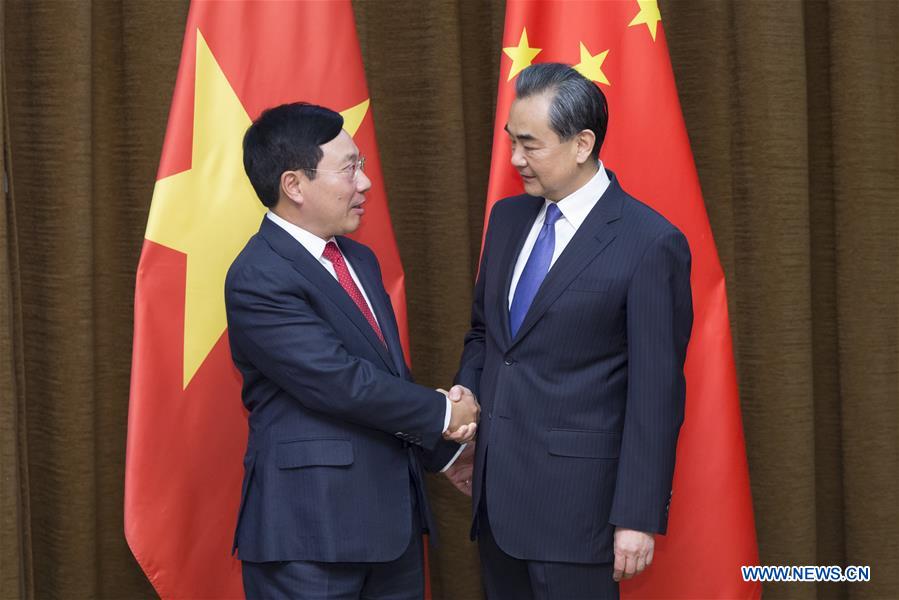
{"x":449,"y":414}
{"x":453,"y":459}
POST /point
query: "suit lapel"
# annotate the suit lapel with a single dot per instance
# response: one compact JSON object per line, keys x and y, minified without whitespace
{"x":595,"y":233}
{"x":383,"y":313}
{"x":518,"y":229}
{"x":310,"y":268}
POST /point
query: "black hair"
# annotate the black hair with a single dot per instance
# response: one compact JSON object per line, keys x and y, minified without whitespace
{"x":286,"y":138}
{"x":577,"y":103}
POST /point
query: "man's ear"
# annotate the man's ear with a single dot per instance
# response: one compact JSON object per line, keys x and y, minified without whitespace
{"x":291,"y":187}
{"x":585,"y":141}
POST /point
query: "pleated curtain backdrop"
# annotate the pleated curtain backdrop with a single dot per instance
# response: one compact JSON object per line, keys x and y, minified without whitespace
{"x":792,"y":112}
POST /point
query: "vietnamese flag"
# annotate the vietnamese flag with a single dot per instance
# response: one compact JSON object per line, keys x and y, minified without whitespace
{"x":187,"y":430}
{"x":620,"y":45}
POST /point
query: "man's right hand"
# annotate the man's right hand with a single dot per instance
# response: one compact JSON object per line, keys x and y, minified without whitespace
{"x":464,"y":419}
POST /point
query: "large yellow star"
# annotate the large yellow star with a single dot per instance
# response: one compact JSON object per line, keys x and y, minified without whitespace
{"x":591,"y":66}
{"x":522,"y":55}
{"x":649,"y":15}
{"x":209,"y":211}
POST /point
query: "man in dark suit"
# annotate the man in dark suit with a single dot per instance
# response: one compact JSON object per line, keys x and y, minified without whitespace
{"x":333,"y":502}
{"x":581,"y":317}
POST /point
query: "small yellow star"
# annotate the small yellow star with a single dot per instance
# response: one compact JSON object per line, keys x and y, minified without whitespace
{"x":649,"y":15}
{"x":522,"y":55}
{"x":591,"y":66}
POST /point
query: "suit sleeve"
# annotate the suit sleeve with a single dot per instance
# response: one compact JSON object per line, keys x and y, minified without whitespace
{"x":292,"y":346}
{"x":659,"y":320}
{"x":435,"y":459}
{"x":471,"y":365}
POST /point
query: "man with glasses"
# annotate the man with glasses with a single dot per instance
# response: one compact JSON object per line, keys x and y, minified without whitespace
{"x":581,"y":317}
{"x":333,"y":502}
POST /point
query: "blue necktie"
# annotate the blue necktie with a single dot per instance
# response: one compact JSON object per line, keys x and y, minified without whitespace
{"x":535,"y":269}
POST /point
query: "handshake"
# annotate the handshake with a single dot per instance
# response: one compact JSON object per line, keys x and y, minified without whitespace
{"x":463,"y":425}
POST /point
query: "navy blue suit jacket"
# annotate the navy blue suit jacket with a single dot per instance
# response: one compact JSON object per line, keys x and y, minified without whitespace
{"x":336,"y":427}
{"x":580,"y":412}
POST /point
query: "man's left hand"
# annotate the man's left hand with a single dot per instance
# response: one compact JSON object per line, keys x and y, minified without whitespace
{"x":633,"y":552}
{"x":461,"y":471}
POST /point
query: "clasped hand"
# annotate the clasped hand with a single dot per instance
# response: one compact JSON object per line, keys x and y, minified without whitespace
{"x":463,"y":424}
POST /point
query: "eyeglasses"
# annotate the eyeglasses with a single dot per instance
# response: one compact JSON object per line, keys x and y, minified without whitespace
{"x":351,"y":171}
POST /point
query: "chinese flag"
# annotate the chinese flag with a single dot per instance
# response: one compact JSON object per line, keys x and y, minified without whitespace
{"x":620,"y":45}
{"x":187,"y":430}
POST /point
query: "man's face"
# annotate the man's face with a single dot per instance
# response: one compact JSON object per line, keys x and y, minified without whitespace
{"x":332,"y":201}
{"x":547,"y":165}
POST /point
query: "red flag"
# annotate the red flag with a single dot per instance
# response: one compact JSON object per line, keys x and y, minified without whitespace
{"x":187,"y":429}
{"x":621,"y":46}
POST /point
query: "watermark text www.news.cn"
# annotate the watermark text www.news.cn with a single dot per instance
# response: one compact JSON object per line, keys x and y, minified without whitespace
{"x":810,"y":573}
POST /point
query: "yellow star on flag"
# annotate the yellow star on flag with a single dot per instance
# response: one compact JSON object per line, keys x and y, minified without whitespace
{"x":522,"y":55}
{"x":210,"y":210}
{"x":649,"y":15}
{"x":591,"y":66}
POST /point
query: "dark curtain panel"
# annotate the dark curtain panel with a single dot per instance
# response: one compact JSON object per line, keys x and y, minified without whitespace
{"x":88,"y":87}
{"x":791,"y":110}
{"x":15,"y":550}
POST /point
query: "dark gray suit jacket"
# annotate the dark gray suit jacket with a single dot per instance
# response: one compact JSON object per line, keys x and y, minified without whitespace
{"x":336,"y":425}
{"x":581,"y":410}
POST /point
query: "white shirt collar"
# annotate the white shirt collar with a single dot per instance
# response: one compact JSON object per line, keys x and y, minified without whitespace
{"x":311,"y":242}
{"x":576,"y":206}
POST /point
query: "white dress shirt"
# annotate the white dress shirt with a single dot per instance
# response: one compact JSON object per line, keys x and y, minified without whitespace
{"x":316,"y":247}
{"x":574,"y":208}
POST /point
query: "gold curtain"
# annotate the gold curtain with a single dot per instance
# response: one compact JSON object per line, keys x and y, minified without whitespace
{"x":791,"y":110}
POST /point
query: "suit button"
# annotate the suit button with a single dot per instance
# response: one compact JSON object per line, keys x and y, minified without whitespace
{"x":490,"y":416}
{"x":509,"y":362}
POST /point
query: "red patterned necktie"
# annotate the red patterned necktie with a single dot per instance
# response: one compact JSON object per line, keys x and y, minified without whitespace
{"x":332,"y":253}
